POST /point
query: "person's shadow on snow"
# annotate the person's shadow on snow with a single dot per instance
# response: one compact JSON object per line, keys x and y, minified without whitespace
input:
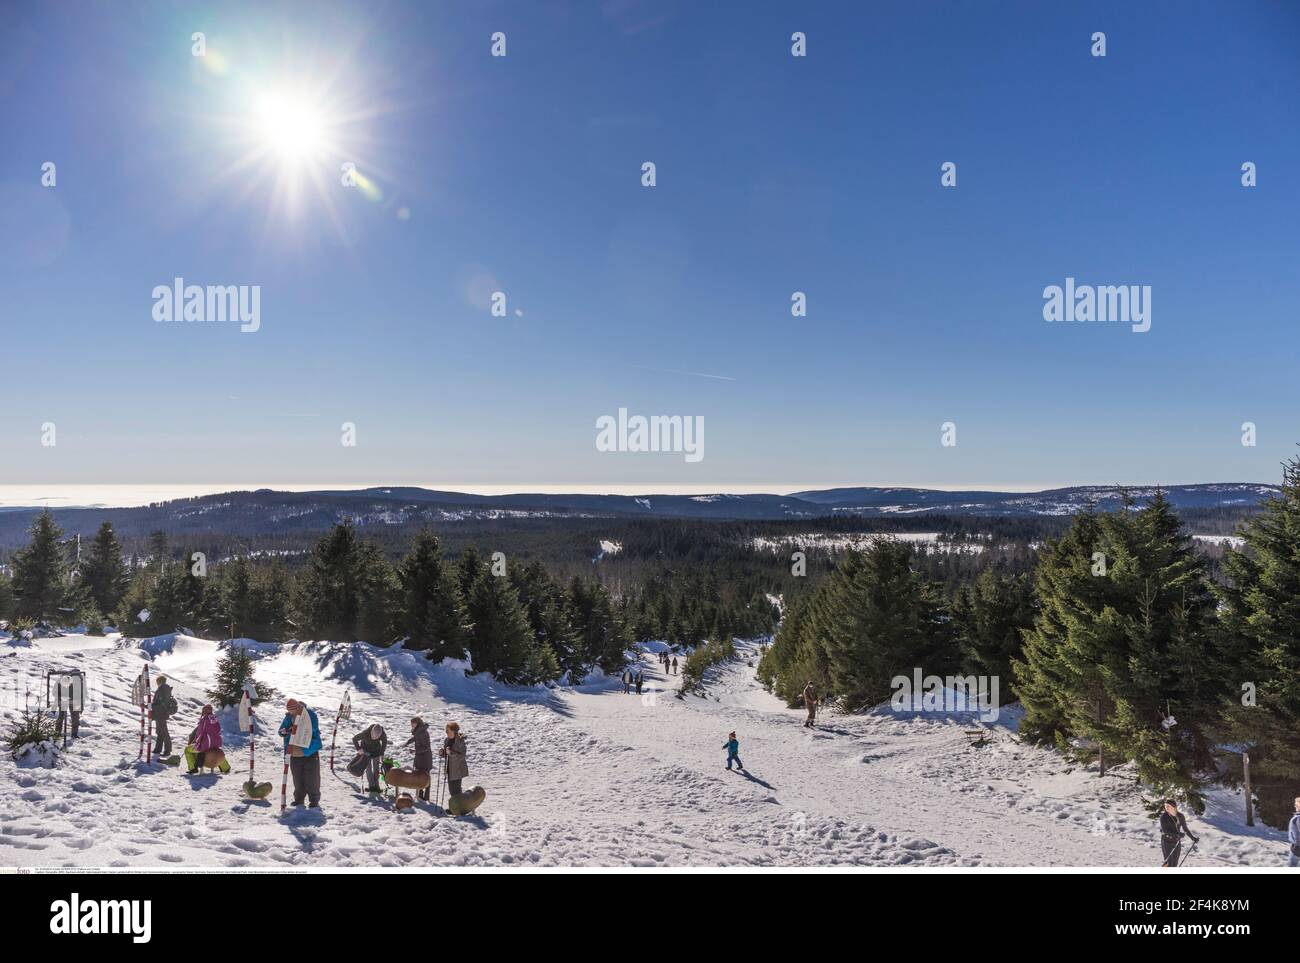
{"x":204,"y":781}
{"x":752,"y":778}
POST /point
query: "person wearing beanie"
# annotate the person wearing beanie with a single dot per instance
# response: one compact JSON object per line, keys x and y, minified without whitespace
{"x":164,"y":707}
{"x":453,"y":750}
{"x":206,"y":736}
{"x":423,"y":751}
{"x":373,"y":741}
{"x":301,"y":731}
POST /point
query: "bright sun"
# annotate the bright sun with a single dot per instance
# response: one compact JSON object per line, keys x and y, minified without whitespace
{"x":291,"y":127}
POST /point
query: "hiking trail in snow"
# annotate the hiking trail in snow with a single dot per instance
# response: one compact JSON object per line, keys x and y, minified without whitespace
{"x":585,"y":775}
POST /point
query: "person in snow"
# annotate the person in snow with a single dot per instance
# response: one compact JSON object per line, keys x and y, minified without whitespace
{"x":674,"y":665}
{"x":1293,"y":836}
{"x":1173,"y":827}
{"x":423,"y":751}
{"x":640,"y":680}
{"x":732,"y":745}
{"x":164,"y":707}
{"x":810,"y":703}
{"x":206,"y":736}
{"x":627,"y":681}
{"x":373,"y":741}
{"x":453,"y":750}
{"x":301,"y":731}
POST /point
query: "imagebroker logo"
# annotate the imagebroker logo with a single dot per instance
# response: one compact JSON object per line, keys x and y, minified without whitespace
{"x":72,"y":917}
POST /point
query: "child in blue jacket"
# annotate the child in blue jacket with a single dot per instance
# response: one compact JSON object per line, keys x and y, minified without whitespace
{"x":732,"y":745}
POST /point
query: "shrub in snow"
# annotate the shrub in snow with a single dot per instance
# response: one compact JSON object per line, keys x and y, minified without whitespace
{"x":28,"y":733}
{"x":37,"y":755}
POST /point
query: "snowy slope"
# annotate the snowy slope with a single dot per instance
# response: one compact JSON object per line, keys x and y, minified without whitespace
{"x":585,"y":776}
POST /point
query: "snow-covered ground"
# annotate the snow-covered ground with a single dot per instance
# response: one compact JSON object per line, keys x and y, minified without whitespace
{"x":584,"y":776}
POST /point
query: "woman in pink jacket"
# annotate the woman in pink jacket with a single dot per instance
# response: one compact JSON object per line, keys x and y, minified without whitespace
{"x":206,"y":735}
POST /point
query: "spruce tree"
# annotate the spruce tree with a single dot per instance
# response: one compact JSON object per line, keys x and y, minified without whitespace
{"x":990,"y":615}
{"x":431,"y":615}
{"x":600,"y":639}
{"x":879,"y":620}
{"x":327,"y":600}
{"x":103,"y":572}
{"x":234,"y":668}
{"x":1122,"y":653}
{"x":40,"y":579}
{"x":1260,"y":617}
{"x":549,"y":618}
{"x":6,"y":597}
{"x":500,"y":639}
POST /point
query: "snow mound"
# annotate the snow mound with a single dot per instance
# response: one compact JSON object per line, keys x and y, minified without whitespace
{"x":37,"y":755}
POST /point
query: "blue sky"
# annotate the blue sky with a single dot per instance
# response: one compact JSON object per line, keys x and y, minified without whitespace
{"x":775,"y":174}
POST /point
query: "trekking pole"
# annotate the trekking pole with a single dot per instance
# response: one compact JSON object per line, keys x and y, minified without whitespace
{"x":1187,"y":855}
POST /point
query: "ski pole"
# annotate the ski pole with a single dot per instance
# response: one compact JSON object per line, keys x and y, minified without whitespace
{"x":284,"y":779}
{"x":148,"y":743}
{"x":1188,"y":854}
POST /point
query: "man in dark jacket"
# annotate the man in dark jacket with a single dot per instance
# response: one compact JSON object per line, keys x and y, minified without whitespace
{"x":1173,"y":827}
{"x":373,"y":741}
{"x":423,"y":751}
{"x":164,"y":707}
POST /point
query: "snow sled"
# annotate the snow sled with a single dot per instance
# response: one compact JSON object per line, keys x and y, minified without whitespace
{"x":406,"y":779}
{"x":169,"y":761}
{"x":464,"y":803}
{"x":357,"y":766}
{"x":256,"y":790}
{"x":212,"y":759}
{"x":404,"y":801}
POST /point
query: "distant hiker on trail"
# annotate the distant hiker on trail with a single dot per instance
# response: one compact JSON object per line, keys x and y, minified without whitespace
{"x":810,"y":703}
{"x":453,"y":750}
{"x":373,"y":741}
{"x":423,"y":752}
{"x":627,"y":681}
{"x":640,"y":679}
{"x":732,"y":745}
{"x":674,"y":665}
{"x":301,"y":731}
{"x":1293,"y":835}
{"x":206,"y":736}
{"x":1173,"y":827}
{"x":164,"y":707}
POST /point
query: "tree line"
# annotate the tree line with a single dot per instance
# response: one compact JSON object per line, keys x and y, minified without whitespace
{"x":1119,"y":645}
{"x":511,"y":618}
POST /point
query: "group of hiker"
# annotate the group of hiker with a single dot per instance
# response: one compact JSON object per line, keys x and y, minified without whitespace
{"x":633,"y":680}
{"x":371,"y":744}
{"x":300,"y":730}
{"x":669,"y":662}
